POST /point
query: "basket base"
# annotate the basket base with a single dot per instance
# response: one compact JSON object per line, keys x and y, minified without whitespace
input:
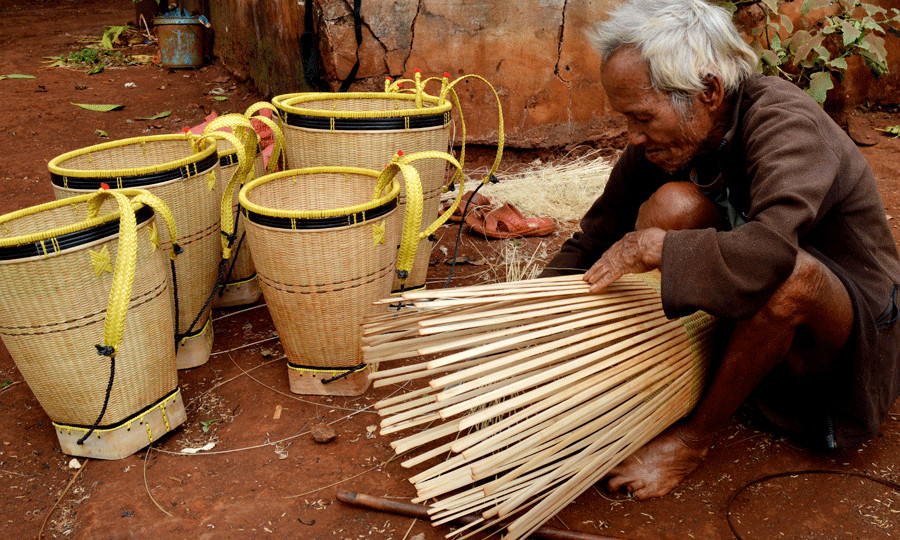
{"x":309,"y":381}
{"x":238,"y":293}
{"x":133,"y":434}
{"x":194,"y":350}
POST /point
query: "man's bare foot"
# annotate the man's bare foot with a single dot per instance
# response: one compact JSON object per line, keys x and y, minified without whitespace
{"x":660,"y":465}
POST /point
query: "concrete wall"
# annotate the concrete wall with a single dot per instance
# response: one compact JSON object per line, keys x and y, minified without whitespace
{"x":534,"y":52}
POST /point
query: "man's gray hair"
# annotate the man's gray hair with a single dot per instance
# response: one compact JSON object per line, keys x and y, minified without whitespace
{"x":683,"y":42}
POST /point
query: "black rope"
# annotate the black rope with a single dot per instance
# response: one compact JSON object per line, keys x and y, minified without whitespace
{"x":357,"y":28}
{"x":459,"y":230}
{"x":883,"y":481}
{"x":227,"y":278}
{"x":209,"y":299}
{"x":349,"y":372}
{"x":234,"y":255}
{"x":103,"y":350}
{"x":309,"y":51}
{"x":175,"y":292}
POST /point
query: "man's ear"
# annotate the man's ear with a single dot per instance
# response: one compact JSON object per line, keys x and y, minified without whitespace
{"x":714,"y":94}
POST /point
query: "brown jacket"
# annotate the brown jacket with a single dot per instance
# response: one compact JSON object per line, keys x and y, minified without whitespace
{"x":799,"y":182}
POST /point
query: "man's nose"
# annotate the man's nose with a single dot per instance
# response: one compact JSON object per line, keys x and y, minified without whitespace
{"x":636,"y":136}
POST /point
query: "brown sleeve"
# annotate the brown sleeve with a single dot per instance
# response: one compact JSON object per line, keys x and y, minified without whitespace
{"x":792,"y":167}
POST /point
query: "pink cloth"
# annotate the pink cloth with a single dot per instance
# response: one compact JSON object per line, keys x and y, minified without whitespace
{"x":266,"y":137}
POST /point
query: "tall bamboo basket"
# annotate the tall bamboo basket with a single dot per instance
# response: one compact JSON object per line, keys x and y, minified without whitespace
{"x":325,"y":249}
{"x":239,"y":285}
{"x":537,"y":389}
{"x":182,"y":171}
{"x":86,"y":315}
{"x":364,"y":129}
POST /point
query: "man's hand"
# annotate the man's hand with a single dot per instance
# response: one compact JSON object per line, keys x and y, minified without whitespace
{"x":637,"y":252}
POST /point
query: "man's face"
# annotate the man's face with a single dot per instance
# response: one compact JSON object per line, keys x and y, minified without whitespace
{"x":669,"y":141}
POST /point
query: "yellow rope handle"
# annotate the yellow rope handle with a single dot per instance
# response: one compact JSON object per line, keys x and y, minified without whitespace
{"x":159,"y":207}
{"x":244,"y":195}
{"x":123,"y":273}
{"x":244,"y":140}
{"x":279,"y":150}
{"x":448,"y":87}
{"x":412,"y":217}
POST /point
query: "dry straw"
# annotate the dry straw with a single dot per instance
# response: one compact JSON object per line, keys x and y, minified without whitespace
{"x":536,"y":389}
{"x":563,"y":189}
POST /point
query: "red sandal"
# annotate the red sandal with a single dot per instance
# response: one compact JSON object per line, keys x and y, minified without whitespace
{"x":478,"y":201}
{"x":507,"y":222}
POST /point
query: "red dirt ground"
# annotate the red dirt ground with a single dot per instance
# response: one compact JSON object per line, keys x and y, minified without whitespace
{"x":266,"y":476}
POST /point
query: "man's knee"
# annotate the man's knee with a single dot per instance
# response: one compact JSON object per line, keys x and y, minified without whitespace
{"x":676,"y":206}
{"x":810,"y":285}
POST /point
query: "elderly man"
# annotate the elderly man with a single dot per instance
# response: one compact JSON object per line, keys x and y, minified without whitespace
{"x":757,"y":208}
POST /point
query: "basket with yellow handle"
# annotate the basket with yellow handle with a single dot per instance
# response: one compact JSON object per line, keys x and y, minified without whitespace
{"x":364,"y":129}
{"x":86,"y":315}
{"x":180,"y":169}
{"x":324,"y":243}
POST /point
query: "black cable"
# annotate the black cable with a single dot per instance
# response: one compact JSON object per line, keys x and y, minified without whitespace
{"x":883,"y":481}
{"x":103,"y":351}
{"x":459,"y":230}
{"x":357,"y":29}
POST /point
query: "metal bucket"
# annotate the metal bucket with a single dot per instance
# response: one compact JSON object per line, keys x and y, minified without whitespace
{"x":180,"y":41}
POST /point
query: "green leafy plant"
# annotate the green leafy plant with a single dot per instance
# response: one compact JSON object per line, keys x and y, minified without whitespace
{"x":206,"y":424}
{"x":102,"y":53}
{"x":818,"y":48}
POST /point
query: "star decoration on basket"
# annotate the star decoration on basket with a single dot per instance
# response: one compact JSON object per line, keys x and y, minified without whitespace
{"x":101,"y":261}
{"x":211,"y":181}
{"x":378,"y":231}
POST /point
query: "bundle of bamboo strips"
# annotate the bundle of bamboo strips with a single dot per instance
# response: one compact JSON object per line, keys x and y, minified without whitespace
{"x":538,"y":390}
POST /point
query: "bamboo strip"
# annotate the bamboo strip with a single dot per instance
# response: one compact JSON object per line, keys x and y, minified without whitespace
{"x":580,"y":366}
{"x":578,"y":327}
{"x":525,"y":308}
{"x":519,"y":362}
{"x":527,"y":311}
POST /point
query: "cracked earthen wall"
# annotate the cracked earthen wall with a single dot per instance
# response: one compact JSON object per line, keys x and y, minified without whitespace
{"x":534,"y":52}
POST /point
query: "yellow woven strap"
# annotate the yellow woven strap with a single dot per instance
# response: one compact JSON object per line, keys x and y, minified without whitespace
{"x":412,"y":217}
{"x":279,"y":152}
{"x":448,"y":87}
{"x":244,"y":140}
{"x":123,"y":274}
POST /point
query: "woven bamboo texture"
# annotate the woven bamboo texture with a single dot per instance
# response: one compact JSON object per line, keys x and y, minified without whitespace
{"x":194,"y":199}
{"x":372,"y":149}
{"x":52,"y":314}
{"x":535,"y":391}
{"x":320,"y":283}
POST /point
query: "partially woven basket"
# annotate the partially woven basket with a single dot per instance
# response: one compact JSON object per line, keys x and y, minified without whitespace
{"x":324,"y":248}
{"x":538,"y":388}
{"x":182,"y":171}
{"x":364,"y":129}
{"x":86,"y":314}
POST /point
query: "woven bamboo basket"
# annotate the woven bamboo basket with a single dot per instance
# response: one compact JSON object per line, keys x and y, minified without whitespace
{"x":325,"y":249}
{"x":239,"y":285}
{"x":86,"y":315}
{"x":364,"y":129}
{"x":536,"y":390}
{"x":182,"y":171}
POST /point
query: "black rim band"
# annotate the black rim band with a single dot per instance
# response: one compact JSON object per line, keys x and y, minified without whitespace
{"x":125,"y":421}
{"x":70,"y":240}
{"x":367,"y":124}
{"x":139,"y":180}
{"x":320,"y":223}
